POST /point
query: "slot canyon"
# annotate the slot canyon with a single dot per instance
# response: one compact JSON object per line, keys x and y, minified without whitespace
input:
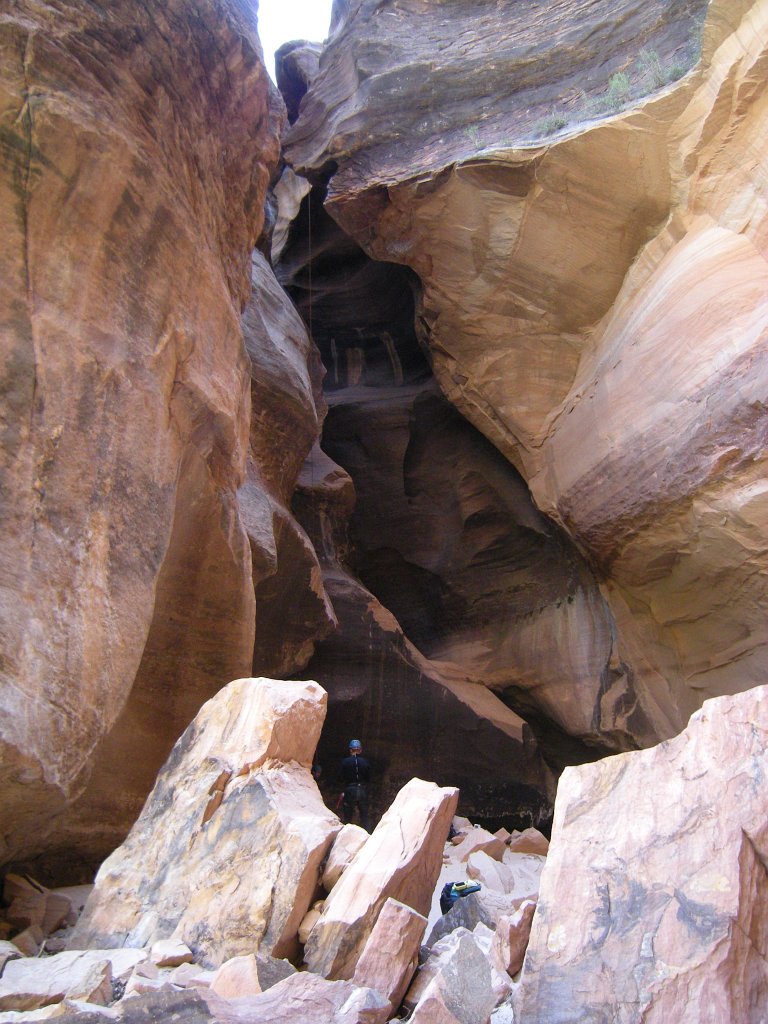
{"x":419,"y":398}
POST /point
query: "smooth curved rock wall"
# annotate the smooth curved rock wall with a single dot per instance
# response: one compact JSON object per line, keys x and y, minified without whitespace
{"x":594,"y":301}
{"x":137,"y":143}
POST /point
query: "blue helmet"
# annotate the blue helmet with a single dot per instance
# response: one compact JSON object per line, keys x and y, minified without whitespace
{"x":355,"y":745}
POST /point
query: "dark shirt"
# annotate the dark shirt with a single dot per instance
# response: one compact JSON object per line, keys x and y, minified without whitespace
{"x":355,"y":770}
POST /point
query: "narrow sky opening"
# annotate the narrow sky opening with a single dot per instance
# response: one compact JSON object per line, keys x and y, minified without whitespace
{"x":283,"y":20}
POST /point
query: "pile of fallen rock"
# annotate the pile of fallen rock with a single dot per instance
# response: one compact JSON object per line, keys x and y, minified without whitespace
{"x":238,"y":896}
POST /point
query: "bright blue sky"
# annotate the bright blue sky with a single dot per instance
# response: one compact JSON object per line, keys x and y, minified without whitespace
{"x":281,"y":20}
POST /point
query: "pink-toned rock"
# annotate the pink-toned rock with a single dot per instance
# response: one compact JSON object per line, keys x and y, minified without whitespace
{"x":653,"y":899}
{"x":503,"y":835}
{"x":29,"y":941}
{"x":491,"y":873}
{"x":236,"y":877}
{"x":401,"y":860}
{"x":306,"y":998}
{"x":190,"y":976}
{"x":530,"y":841}
{"x":455,"y":985}
{"x":391,"y":953}
{"x":479,"y":839}
{"x":511,"y":938}
{"x":346,"y":844}
{"x":237,"y":977}
{"x":139,"y":985}
{"x":30,"y":903}
{"x":526,"y":870}
{"x":36,"y":982}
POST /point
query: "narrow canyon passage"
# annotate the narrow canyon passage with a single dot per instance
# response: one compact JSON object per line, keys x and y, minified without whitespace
{"x":450,"y":578}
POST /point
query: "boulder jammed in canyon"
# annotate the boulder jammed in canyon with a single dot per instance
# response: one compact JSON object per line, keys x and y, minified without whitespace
{"x":137,"y":146}
{"x":226,"y":855}
{"x":585,"y":210}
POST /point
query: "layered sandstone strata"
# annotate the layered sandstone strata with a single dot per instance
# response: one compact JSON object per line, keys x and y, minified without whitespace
{"x":595,"y":301}
{"x":137,"y":147}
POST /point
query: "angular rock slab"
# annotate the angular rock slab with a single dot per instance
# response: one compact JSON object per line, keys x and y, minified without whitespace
{"x":32,"y":982}
{"x":226,"y":854}
{"x":652,"y":904}
{"x":305,"y":998}
{"x":459,"y":986}
{"x":391,"y":954}
{"x":401,"y":860}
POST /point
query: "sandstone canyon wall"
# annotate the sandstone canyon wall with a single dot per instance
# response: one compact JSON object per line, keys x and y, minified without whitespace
{"x":585,"y":212}
{"x":137,"y":146}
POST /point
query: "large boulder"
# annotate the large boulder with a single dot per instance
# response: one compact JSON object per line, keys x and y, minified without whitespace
{"x":390,"y":955}
{"x":652,"y":903}
{"x":226,"y":855}
{"x":400,"y":861}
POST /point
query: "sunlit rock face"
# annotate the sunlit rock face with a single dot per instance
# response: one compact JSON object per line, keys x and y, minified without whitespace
{"x":594,"y":300}
{"x":137,"y":147}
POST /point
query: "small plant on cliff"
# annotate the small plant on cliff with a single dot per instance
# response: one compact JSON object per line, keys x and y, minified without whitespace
{"x":619,"y":88}
{"x":473,"y":134}
{"x":550,"y":123}
{"x":652,"y":71}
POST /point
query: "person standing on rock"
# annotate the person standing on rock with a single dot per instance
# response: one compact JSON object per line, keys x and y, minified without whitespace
{"x":356,"y":773}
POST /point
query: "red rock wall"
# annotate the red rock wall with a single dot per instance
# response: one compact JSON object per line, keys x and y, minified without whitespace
{"x":137,"y":142}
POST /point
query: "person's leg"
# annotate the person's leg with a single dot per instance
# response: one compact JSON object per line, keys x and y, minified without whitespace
{"x":362,"y":803}
{"x":348,"y":805}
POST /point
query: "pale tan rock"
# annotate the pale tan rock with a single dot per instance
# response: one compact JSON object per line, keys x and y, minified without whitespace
{"x":511,"y":938}
{"x":652,"y":903}
{"x":489,"y":872}
{"x":34,"y":982}
{"x":529,"y":841}
{"x":503,"y":835}
{"x":391,"y":954}
{"x":526,"y":871}
{"x":345,"y":846}
{"x":95,"y":986}
{"x":308,"y":922}
{"x":479,"y":839}
{"x":170,"y":953}
{"x":401,"y":860}
{"x":237,"y":977}
{"x":243,"y":880}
